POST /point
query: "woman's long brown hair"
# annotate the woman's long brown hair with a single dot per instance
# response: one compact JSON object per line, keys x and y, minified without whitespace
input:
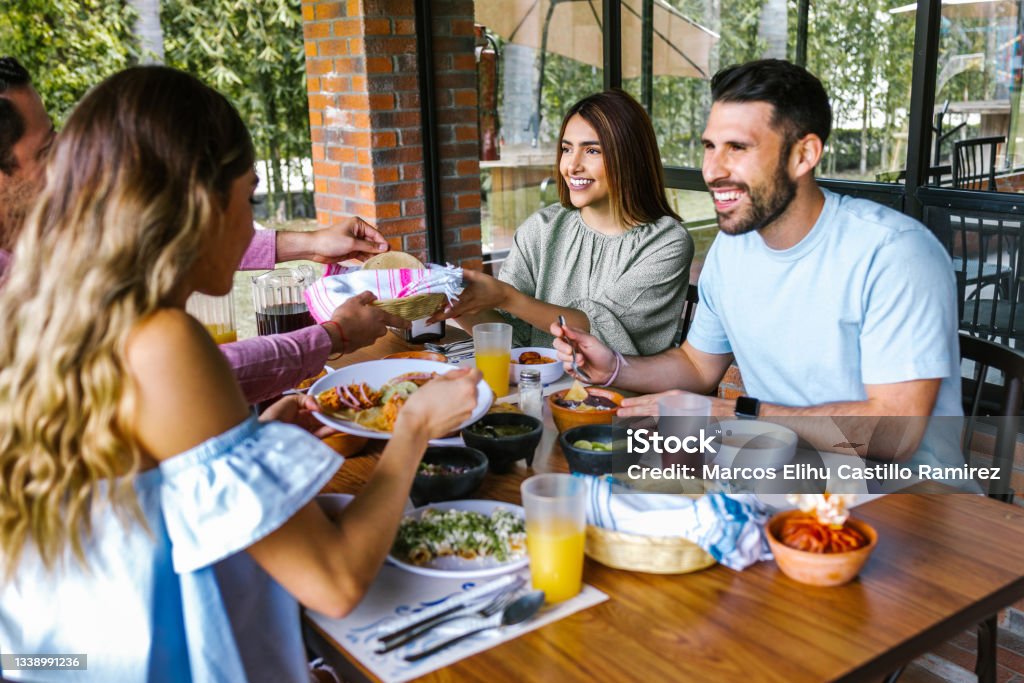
{"x":632,"y":162}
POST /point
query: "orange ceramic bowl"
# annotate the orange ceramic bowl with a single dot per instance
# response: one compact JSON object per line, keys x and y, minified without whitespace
{"x":819,"y":569}
{"x":421,"y":355}
{"x":567,"y":418}
{"x":346,"y":444}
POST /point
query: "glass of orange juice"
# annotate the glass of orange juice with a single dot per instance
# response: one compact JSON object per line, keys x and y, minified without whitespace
{"x":216,"y":313}
{"x":555,"y":531}
{"x":492,"y":346}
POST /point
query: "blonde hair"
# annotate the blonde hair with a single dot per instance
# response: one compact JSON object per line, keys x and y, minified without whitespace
{"x":135,"y":186}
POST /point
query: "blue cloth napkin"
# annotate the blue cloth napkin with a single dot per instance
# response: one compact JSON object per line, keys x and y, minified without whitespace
{"x":730,"y":527}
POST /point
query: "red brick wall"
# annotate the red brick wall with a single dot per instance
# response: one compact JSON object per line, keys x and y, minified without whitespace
{"x":731,"y":385}
{"x":364,"y":113}
{"x":455,"y":79}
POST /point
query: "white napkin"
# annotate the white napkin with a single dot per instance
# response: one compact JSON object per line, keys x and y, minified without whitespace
{"x":341,"y":283}
{"x":729,"y":527}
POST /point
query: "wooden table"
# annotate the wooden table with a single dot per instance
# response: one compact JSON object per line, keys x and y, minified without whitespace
{"x":944,"y":562}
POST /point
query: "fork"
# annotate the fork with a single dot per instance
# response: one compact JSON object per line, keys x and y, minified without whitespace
{"x":496,"y":605}
{"x":577,"y":370}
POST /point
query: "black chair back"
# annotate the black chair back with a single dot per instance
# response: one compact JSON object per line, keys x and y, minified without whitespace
{"x":974,"y":163}
{"x":997,"y":401}
{"x":689,"y":308}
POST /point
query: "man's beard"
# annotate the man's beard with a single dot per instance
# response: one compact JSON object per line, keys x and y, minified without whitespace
{"x":766,"y":204}
{"x":16,"y":196}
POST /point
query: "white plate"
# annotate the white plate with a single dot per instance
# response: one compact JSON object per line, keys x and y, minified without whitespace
{"x":549,"y":372}
{"x":456,"y":567}
{"x":327,"y":368}
{"x":376,"y":373}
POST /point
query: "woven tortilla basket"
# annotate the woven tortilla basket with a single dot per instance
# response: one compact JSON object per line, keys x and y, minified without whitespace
{"x":651,"y":554}
{"x":415,"y":307}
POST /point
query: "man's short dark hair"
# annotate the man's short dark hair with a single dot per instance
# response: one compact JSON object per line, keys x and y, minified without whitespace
{"x":799,"y":100}
{"x":12,"y":125}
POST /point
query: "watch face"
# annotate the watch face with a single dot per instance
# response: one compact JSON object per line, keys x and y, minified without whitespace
{"x":747,"y":406}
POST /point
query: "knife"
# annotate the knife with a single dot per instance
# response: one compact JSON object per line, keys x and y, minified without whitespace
{"x":402,"y":626}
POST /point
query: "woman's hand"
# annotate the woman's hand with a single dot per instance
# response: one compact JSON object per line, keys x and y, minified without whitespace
{"x":594,"y":357}
{"x":362,"y":323}
{"x":440,"y":405}
{"x":481,"y":293}
{"x":297,"y":409}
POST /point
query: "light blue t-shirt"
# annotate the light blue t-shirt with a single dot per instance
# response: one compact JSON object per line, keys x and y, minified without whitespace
{"x":182,"y":601}
{"x":867,"y":297}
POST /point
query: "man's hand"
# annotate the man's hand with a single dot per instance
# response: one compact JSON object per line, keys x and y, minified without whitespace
{"x":593,"y":357}
{"x":361,"y":322}
{"x":481,"y":293}
{"x":440,"y":405}
{"x":352,"y":238}
{"x":642,"y":406}
{"x":297,"y":409}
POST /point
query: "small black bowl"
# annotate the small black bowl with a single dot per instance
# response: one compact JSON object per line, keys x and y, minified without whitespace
{"x":586,"y":461}
{"x":503,"y":451}
{"x":438,"y":487}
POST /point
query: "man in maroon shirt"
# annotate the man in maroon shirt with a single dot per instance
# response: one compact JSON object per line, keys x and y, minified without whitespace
{"x":265,"y":366}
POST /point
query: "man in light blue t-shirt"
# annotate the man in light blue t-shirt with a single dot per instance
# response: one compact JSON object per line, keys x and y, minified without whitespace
{"x":830,"y":305}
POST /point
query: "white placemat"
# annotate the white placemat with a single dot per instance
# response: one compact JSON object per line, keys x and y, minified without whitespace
{"x":396,"y":594}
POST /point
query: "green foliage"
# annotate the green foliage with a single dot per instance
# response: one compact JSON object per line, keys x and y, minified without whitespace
{"x":67,"y":45}
{"x":252,"y":52}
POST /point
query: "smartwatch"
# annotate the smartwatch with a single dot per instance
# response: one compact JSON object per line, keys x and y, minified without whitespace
{"x":747,"y":407}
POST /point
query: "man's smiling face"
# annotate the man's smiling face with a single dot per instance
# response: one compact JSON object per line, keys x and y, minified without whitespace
{"x":746,"y":166}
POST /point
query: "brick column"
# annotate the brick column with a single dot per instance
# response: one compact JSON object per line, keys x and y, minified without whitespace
{"x":364,"y":113}
{"x":455,"y":81}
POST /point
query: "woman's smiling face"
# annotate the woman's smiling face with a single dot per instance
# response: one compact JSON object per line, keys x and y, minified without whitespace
{"x":581,"y":164}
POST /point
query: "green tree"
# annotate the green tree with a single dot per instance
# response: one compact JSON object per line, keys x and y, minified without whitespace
{"x":67,"y":45}
{"x":252,"y":52}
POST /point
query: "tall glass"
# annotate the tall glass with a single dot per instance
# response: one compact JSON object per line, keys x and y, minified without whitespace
{"x":682,"y":416}
{"x":555,"y":533}
{"x":279,"y":302}
{"x":492,"y":346}
{"x":216,"y":313}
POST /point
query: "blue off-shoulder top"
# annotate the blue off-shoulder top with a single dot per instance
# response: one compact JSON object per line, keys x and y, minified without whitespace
{"x":178,"y":601}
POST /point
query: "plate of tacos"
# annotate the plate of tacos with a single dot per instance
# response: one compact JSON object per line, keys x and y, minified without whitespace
{"x":364,"y":399}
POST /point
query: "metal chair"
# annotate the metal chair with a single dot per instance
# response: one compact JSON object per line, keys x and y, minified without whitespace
{"x":974,"y":163}
{"x":998,"y":403}
{"x":988,"y":260}
{"x":689,"y":308}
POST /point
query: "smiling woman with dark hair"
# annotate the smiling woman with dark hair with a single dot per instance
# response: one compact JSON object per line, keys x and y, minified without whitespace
{"x":612,"y":256}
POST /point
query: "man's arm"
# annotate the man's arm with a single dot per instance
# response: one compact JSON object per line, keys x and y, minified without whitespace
{"x":267,"y":366}
{"x":352,"y":238}
{"x":889,"y":424}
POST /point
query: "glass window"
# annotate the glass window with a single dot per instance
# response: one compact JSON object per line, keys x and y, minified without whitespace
{"x":544,"y":63}
{"x":698,"y":213}
{"x":862,"y":53}
{"x":977,"y":141}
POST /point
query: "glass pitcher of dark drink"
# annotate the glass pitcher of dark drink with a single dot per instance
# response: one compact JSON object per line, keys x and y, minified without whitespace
{"x":278,"y":298}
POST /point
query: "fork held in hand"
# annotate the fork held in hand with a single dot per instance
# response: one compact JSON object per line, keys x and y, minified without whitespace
{"x":577,"y":370}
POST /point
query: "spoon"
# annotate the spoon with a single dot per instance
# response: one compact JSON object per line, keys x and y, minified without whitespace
{"x":516,"y":612}
{"x":582,"y":374}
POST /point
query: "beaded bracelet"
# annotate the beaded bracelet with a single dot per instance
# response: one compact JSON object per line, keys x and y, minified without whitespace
{"x":619,"y":362}
{"x":341,"y":333}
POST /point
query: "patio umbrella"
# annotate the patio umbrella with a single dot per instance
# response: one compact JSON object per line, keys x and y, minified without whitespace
{"x":572,"y":28}
{"x":969,"y":9}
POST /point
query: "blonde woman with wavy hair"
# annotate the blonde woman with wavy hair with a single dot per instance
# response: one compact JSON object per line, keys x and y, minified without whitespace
{"x":146,"y":518}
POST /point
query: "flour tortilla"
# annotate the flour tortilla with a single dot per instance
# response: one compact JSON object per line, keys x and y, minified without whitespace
{"x":393,"y":260}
